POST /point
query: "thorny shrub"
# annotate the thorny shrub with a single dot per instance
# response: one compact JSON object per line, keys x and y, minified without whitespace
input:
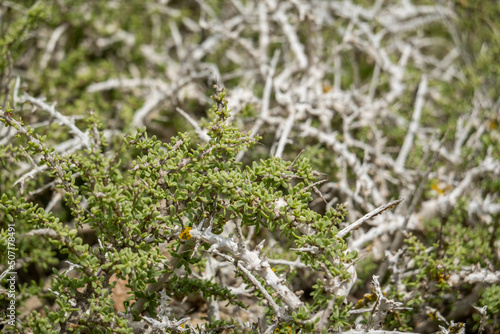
{"x":157,"y":217}
{"x":390,"y":99}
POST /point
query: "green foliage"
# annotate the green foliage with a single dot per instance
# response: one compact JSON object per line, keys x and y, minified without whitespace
{"x":491,"y":299}
{"x":13,"y":39}
{"x":428,"y":284}
{"x":133,"y":206}
{"x":449,"y":246}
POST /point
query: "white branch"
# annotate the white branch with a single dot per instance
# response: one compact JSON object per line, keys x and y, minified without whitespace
{"x":60,"y":117}
{"x":357,"y":223}
{"x":419,"y":103}
{"x":253,"y":263}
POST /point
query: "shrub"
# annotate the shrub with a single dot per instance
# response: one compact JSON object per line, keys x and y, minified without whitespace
{"x":390,"y":99}
{"x":159,"y":216}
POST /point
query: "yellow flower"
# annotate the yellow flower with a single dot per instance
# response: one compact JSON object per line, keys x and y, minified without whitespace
{"x":185,"y":235}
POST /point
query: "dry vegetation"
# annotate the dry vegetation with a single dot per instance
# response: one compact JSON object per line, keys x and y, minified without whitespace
{"x":389,"y":108}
